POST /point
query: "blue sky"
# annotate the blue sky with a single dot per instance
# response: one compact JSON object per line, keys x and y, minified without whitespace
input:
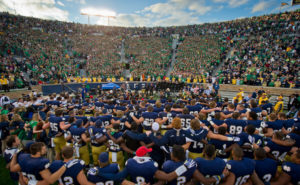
{"x":146,"y":12}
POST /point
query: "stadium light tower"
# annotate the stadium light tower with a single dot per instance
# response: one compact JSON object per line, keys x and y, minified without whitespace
{"x":98,"y":13}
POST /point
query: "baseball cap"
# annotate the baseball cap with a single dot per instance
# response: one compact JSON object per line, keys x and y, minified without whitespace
{"x":155,"y":126}
{"x":140,"y":152}
{"x":103,"y":157}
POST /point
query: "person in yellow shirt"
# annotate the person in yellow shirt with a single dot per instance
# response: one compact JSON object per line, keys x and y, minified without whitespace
{"x":4,"y":84}
{"x":234,"y":81}
{"x":241,"y":93}
{"x":277,"y":83}
{"x":279,"y":105}
{"x":263,"y":98}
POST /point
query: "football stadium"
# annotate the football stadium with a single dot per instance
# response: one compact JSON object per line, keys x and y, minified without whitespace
{"x":142,"y":92}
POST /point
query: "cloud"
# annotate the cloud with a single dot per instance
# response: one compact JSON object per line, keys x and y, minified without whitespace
{"x":172,"y":12}
{"x":60,"y":3}
{"x":261,"y":6}
{"x":44,"y":9}
{"x":77,"y":1}
{"x":232,"y":3}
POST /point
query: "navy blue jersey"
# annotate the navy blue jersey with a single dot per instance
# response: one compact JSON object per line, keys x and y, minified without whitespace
{"x":149,"y":118}
{"x":217,"y":122}
{"x":171,"y":137}
{"x":257,"y":110}
{"x":4,"y":129}
{"x":106,"y":120}
{"x":122,"y":120}
{"x":288,"y":124}
{"x":195,"y":146}
{"x":278,"y":151}
{"x":185,"y":120}
{"x":156,"y":109}
{"x":170,"y":166}
{"x":248,"y":140}
{"x":235,"y":127}
{"x":292,"y":169}
{"x":275,"y":125}
{"x":267,"y":107}
{"x":98,"y":105}
{"x":242,"y":169}
{"x":194,"y":109}
{"x":257,"y":123}
{"x":76,"y":135}
{"x":71,"y":173}
{"x":210,"y":167}
{"x":109,"y":108}
{"x":54,"y":126}
{"x":295,"y":137}
{"x":168,"y":115}
{"x":32,"y":167}
{"x":83,"y":118}
{"x":114,"y":147}
{"x":93,"y":176}
{"x":96,"y":133}
{"x":222,"y":145}
{"x":122,"y":108}
{"x":8,"y":154}
{"x":141,"y":169}
{"x":266,"y":169}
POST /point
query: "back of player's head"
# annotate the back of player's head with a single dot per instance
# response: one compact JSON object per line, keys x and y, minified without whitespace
{"x":178,"y":153}
{"x":10,"y":140}
{"x":237,"y":151}
{"x":278,"y":135}
{"x":158,"y":104}
{"x":272,"y":117}
{"x":298,"y":154}
{"x":116,"y":126}
{"x":195,"y":124}
{"x":176,"y":123}
{"x":253,"y":115}
{"x":282,"y":115}
{"x":260,"y":153}
{"x":67,"y":152}
{"x":150,"y":108}
{"x":236,"y":115}
{"x":250,"y":129}
{"x":193,"y":102}
{"x":36,"y":147}
{"x":231,"y":106}
{"x":134,"y":126}
{"x":58,"y":112}
{"x":253,"y":103}
{"x":120,"y":113}
{"x":168,"y":107}
{"x":222,"y":130}
{"x":212,"y":104}
{"x":209,"y":151}
{"x":71,"y":119}
{"x":185,"y":111}
{"x":201,"y":116}
{"x":217,"y":115}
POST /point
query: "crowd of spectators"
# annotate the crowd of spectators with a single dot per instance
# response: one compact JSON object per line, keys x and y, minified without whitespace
{"x":263,"y":50}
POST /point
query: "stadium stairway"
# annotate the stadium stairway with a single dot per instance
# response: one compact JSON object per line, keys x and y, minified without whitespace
{"x":222,"y":62}
{"x":174,"y":52}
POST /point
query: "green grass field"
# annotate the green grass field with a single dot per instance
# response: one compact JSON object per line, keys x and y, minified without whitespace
{"x":4,"y":174}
